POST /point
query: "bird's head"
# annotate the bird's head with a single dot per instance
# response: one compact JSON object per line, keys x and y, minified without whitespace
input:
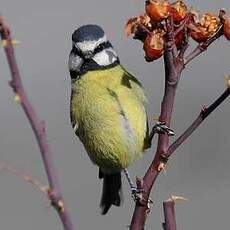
{"x":90,"y":46}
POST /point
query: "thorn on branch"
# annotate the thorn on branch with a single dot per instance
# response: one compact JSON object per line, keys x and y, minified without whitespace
{"x":163,"y":162}
{"x":162,"y":167}
{"x":17,"y":98}
{"x":169,"y":212}
{"x":5,"y":42}
{"x":177,"y":198}
{"x":203,"y":109}
{"x":56,"y":202}
{"x":228,"y":82}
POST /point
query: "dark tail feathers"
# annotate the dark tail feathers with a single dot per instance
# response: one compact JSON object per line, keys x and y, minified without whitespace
{"x":111,"y":193}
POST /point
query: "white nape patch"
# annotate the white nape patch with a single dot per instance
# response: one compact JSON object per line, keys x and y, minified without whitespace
{"x":90,"y":45}
{"x":105,"y":57}
{"x":75,"y":62}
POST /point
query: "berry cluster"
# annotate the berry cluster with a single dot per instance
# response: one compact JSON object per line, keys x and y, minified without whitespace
{"x":150,"y":27}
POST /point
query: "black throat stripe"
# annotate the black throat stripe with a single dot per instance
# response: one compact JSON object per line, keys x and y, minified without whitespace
{"x":90,"y":65}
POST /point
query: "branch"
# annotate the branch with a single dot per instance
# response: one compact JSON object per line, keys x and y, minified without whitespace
{"x":201,"y":117}
{"x":169,"y":214}
{"x":203,"y":46}
{"x":38,"y":127}
{"x":26,"y":177}
{"x":173,"y":69}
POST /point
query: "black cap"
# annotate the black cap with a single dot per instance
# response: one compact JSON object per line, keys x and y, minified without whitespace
{"x":88,"y":33}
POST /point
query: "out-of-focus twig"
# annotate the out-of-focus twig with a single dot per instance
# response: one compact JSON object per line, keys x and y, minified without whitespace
{"x":28,"y":178}
{"x":38,"y":127}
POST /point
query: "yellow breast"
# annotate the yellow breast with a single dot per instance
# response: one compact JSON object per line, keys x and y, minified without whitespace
{"x":108,"y":114}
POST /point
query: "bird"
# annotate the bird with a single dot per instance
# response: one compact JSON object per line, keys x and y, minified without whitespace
{"x":107,"y":109}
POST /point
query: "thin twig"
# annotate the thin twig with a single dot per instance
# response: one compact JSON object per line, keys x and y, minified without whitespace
{"x":203,"y":46}
{"x":37,"y":126}
{"x":28,"y":178}
{"x":201,"y":117}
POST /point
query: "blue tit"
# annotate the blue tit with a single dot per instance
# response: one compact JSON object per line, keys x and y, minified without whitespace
{"x":107,"y":109}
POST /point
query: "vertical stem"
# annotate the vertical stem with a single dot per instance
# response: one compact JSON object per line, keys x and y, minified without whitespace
{"x":169,"y":214}
{"x":171,"y":81}
{"x":173,"y":69}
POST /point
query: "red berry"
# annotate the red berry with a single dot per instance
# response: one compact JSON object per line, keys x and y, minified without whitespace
{"x":227,"y":29}
{"x":205,"y":27}
{"x":154,"y":46}
{"x":157,"y":10}
{"x":179,"y":11}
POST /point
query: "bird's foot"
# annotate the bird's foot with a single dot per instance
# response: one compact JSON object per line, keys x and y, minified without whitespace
{"x":137,"y":194}
{"x":159,"y":128}
{"x":162,"y":128}
{"x":138,"y":197}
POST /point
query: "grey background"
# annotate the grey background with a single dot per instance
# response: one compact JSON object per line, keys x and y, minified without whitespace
{"x":198,"y":171}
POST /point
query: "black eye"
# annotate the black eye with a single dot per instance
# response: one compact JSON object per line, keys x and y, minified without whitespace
{"x":99,"y":48}
{"x":76,"y":50}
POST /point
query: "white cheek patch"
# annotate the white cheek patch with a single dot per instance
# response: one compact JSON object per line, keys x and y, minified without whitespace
{"x":90,"y":45}
{"x":105,"y":57}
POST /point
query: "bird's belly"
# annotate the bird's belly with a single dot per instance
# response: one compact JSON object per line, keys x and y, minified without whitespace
{"x":107,"y":142}
{"x":112,"y":132}
{"x":111,"y":156}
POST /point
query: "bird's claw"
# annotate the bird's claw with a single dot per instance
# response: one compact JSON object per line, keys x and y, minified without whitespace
{"x":137,"y":195}
{"x":162,"y":128}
